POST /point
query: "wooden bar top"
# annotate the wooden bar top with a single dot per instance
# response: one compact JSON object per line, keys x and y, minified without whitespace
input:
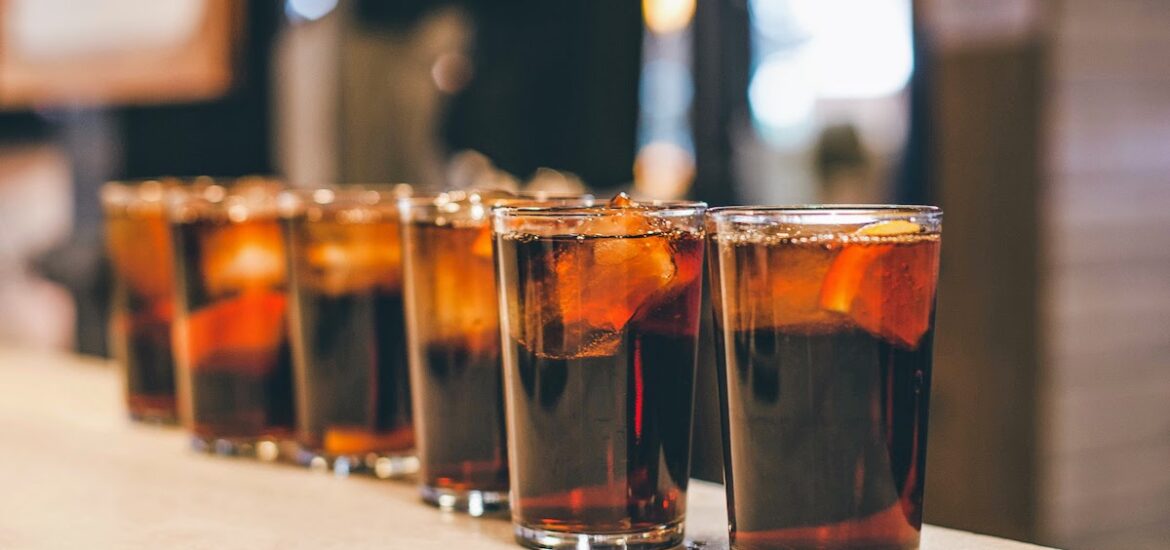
{"x":75,"y":473}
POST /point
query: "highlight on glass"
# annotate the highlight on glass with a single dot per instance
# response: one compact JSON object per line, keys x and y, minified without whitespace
{"x":348,"y":337}
{"x":231,"y":337}
{"x":600,"y":318}
{"x":824,"y":321}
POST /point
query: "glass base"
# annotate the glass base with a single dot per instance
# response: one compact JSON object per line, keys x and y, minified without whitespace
{"x":668,"y":535}
{"x":475,"y":503}
{"x":262,"y":448}
{"x":152,"y":409}
{"x":381,"y":465}
{"x":154,"y":418}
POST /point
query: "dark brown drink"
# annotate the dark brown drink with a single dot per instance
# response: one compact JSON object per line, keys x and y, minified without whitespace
{"x":825,"y":337}
{"x":138,"y":242}
{"x":352,"y":384}
{"x":454,"y":338}
{"x":235,"y":375}
{"x":602,"y":324}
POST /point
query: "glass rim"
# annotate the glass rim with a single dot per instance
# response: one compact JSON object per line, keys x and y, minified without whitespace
{"x":149,"y":192}
{"x":237,"y":199}
{"x":824,"y":214}
{"x":350,"y":195}
{"x":431,"y":198}
{"x":656,"y":208}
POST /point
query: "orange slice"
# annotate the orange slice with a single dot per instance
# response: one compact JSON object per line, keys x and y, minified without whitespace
{"x":352,"y":441}
{"x":886,"y":289}
{"x":844,"y":277}
{"x":241,"y":334}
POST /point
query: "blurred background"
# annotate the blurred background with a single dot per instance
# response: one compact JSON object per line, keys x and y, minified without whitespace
{"x":1042,"y":127}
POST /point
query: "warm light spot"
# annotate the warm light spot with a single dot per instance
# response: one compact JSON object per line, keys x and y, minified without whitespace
{"x":667,"y":16}
{"x":663,"y":170}
{"x":867,"y":54}
{"x":781,"y":93}
{"x":451,"y":72}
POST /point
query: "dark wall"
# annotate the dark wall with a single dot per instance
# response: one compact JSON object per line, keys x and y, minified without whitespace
{"x":556,"y":85}
{"x":229,"y":136}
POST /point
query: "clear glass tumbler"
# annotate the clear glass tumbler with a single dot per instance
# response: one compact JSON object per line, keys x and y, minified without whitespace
{"x":231,"y":335}
{"x":348,"y":334}
{"x":138,"y":242}
{"x":600,"y":310}
{"x":824,"y":320}
{"x":454,"y":341}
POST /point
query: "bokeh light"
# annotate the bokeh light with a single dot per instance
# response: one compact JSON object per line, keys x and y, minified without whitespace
{"x":451,"y":72}
{"x":858,"y":48}
{"x":667,"y":16}
{"x":666,"y":89}
{"x":782,"y":93}
{"x":309,"y":10}
{"x":663,"y":170}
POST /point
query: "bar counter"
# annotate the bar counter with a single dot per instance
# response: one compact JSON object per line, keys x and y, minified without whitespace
{"x":75,"y":473}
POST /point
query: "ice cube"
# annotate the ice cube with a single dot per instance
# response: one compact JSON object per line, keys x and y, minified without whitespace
{"x":243,"y":257}
{"x":242,"y":334}
{"x":621,"y":200}
{"x":781,"y":290}
{"x":464,"y":304}
{"x":353,"y":258}
{"x":140,"y":251}
{"x":597,"y":286}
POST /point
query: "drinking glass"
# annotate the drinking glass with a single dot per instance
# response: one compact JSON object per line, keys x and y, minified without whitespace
{"x":138,"y":243}
{"x":230,"y":334}
{"x":349,"y":354}
{"x":600,"y":321}
{"x":824,"y":320}
{"x":454,"y":341}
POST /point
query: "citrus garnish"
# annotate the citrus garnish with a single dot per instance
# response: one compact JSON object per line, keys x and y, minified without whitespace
{"x":251,"y":325}
{"x":889,"y":228}
{"x":884,"y":288}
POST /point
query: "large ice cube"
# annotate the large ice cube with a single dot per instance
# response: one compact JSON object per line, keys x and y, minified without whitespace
{"x":140,"y":251}
{"x":596,"y":286}
{"x":241,"y":257}
{"x":464,"y":305}
{"x":345,"y":258}
{"x":775,"y":286}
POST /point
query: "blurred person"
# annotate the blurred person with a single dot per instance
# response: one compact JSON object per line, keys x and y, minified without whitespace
{"x":527,"y":84}
{"x":34,"y":216}
{"x":844,"y":167}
